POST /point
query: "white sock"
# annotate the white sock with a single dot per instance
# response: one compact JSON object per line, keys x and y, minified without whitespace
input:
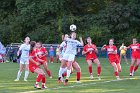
{"x":36,"y":82}
{"x":26,"y":74}
{"x":61,"y":70}
{"x":68,"y":74}
{"x":19,"y":74}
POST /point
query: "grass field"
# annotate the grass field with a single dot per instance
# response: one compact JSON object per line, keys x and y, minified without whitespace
{"x":108,"y":84}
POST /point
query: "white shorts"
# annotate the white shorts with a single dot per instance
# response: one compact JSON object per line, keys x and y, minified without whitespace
{"x":69,"y":57}
{"x":24,"y":61}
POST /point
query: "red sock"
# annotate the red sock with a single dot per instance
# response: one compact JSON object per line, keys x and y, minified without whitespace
{"x":64,"y":74}
{"x":57,"y":59}
{"x":99,"y":70}
{"x":39,"y":77}
{"x":48,"y":72}
{"x":78,"y":76}
{"x":90,"y":69}
{"x":135,"y":68}
{"x":51,"y":59}
{"x":131,"y":69}
{"x":43,"y":79}
{"x":116,"y":74}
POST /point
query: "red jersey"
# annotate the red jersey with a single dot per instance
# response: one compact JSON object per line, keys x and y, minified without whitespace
{"x":112,"y":55}
{"x":33,"y":56}
{"x":41,"y":53}
{"x":135,"y":50}
{"x":111,"y":49}
{"x":92,"y":53}
{"x":33,"y":66}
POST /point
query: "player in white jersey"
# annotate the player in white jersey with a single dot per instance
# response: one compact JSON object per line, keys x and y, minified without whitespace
{"x":63,"y":46}
{"x":69,"y":54}
{"x":75,"y":66}
{"x":24,"y":59}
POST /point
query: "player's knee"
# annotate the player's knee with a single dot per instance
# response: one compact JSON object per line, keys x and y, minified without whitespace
{"x":98,"y":64}
{"x":20,"y":69}
{"x":89,"y":65}
{"x":78,"y":69}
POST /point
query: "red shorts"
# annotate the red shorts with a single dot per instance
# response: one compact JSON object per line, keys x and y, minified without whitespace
{"x":91,"y":58}
{"x":114,"y":58}
{"x":136,"y":55}
{"x":33,"y":67}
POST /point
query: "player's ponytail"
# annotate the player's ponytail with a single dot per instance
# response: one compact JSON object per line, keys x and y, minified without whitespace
{"x":32,"y":45}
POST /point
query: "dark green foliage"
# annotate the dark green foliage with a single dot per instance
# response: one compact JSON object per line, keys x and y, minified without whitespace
{"x":47,"y":20}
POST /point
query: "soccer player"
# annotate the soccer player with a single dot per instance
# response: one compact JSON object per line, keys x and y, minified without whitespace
{"x":34,"y":67}
{"x":51,"y":54}
{"x":90,"y":51}
{"x":63,"y":46}
{"x":24,"y":59}
{"x":123,"y":50}
{"x":41,"y":53}
{"x":135,"y":62}
{"x":113,"y":57}
{"x":75,"y":65}
{"x":69,"y":54}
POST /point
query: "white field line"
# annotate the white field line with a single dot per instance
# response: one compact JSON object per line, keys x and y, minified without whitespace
{"x":77,"y":85}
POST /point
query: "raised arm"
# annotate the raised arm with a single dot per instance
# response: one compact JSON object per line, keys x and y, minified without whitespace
{"x":84,"y":52}
{"x":81,"y":40}
{"x":103,"y":48}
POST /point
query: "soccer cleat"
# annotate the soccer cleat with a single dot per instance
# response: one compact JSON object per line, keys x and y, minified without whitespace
{"x":91,"y":77}
{"x":99,"y":78}
{"x":131,"y":74}
{"x":66,"y":82}
{"x":25,"y":80}
{"x":37,"y":86}
{"x":118,"y":78}
{"x":16,"y":80}
{"x":44,"y":87}
{"x":78,"y":81}
{"x":50,"y":77}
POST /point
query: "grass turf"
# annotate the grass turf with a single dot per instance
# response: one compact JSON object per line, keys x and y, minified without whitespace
{"x":108,"y":84}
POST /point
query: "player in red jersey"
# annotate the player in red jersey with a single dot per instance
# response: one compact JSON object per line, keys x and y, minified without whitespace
{"x":135,"y":56}
{"x":113,"y":57}
{"x":41,"y":53}
{"x":90,"y":51}
{"x":34,"y":67}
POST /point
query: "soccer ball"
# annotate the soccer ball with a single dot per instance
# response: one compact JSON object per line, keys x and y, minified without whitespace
{"x":73,"y":27}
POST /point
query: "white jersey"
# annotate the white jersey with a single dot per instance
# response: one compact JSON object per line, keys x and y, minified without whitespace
{"x":24,"y":48}
{"x":63,"y":45}
{"x":72,"y":46}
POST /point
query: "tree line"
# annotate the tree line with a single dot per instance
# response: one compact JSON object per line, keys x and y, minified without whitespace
{"x":47,"y":20}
